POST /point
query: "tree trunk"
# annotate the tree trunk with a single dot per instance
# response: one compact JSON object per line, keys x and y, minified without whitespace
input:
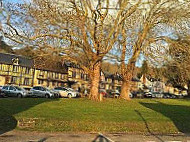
{"x":125,"y":90}
{"x":188,"y":91}
{"x":95,"y":80}
{"x":127,"y":77}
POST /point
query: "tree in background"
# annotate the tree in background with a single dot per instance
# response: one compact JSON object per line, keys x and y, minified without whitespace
{"x":141,"y":33}
{"x":178,"y":67}
{"x":110,"y":68}
{"x":5,"y":48}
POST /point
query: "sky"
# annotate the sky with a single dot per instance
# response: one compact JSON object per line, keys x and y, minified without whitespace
{"x":14,"y":1}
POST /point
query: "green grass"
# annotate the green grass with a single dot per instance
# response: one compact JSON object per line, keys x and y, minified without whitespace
{"x":83,"y":115}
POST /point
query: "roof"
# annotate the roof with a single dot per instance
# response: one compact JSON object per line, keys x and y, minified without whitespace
{"x":6,"y":58}
{"x":53,"y":67}
{"x":70,"y":64}
{"x":115,"y":76}
{"x":180,"y":87}
{"x":135,"y":79}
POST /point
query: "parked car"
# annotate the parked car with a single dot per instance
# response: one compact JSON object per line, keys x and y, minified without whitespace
{"x":39,"y":91}
{"x":103,"y":92}
{"x":115,"y":93}
{"x":157,"y":95}
{"x":169,"y":96}
{"x":13,"y":91}
{"x":66,"y":92}
{"x":0,"y":91}
{"x":137,"y":94}
{"x":148,"y":95}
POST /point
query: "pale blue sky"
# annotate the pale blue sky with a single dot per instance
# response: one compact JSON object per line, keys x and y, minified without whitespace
{"x":15,"y":1}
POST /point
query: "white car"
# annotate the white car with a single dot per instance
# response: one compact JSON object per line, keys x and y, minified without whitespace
{"x":66,"y":92}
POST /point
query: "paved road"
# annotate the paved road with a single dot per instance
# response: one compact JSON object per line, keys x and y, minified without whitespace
{"x":23,"y":136}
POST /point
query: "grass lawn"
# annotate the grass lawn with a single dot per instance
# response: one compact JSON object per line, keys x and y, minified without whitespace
{"x":83,"y":115}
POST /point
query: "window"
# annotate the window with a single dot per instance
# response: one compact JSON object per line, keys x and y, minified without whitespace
{"x":53,"y":83}
{"x":14,"y":79}
{"x":82,"y":76}
{"x":26,"y":81}
{"x":5,"y":87}
{"x":63,"y":76}
{"x":87,"y":77}
{"x":36,"y":88}
{"x":56,"y":75}
{"x":27,"y":71}
{"x":40,"y":81}
{"x":50,"y":75}
{"x":11,"y":88}
{"x":74,"y":74}
{"x":15,"y":68}
{"x":41,"y":73}
{"x":53,"y":75}
{"x":70,"y":73}
{"x":58,"y":88}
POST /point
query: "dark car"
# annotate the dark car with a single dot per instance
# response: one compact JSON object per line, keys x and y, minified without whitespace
{"x":103,"y":92}
{"x":0,"y":91}
{"x":13,"y":91}
{"x":169,"y":96}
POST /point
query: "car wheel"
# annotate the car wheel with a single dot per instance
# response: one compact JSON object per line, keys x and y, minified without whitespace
{"x":69,"y":95}
{"x":19,"y":95}
{"x":47,"y":96}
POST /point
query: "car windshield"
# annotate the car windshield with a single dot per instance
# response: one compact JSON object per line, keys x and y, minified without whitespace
{"x":19,"y":88}
{"x":70,"y":89}
{"x":59,"y":88}
{"x":47,"y":89}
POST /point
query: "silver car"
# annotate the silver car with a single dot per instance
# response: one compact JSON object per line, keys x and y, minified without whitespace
{"x":13,"y":91}
{"x":39,"y":91}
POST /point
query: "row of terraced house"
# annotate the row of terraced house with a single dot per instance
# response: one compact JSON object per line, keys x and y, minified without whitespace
{"x":21,"y":71}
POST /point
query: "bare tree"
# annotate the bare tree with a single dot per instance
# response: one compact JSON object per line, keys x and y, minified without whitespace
{"x":146,"y":23}
{"x":81,"y":31}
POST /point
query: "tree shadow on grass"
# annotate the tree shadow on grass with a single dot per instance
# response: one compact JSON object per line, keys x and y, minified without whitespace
{"x":11,"y":106}
{"x":147,"y":127}
{"x":178,"y":114}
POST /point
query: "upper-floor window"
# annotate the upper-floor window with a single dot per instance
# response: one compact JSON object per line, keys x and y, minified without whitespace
{"x":74,"y":74}
{"x":27,"y":71}
{"x":82,"y":76}
{"x":53,"y":75}
{"x":15,"y":68}
{"x":41,"y":73}
{"x":57,"y":75}
{"x":87,"y":77}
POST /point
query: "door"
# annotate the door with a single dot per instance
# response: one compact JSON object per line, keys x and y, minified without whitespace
{"x":42,"y":92}
{"x":5,"y":90}
{"x":12,"y":91}
{"x":64,"y":92}
{"x":35,"y":91}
